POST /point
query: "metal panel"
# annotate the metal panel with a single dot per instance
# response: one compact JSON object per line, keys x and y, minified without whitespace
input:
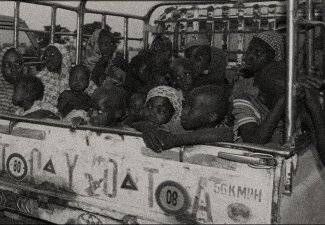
{"x":113,"y":176}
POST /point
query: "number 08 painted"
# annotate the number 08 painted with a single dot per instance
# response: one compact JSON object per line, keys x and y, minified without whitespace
{"x":16,"y":166}
{"x":172,"y":197}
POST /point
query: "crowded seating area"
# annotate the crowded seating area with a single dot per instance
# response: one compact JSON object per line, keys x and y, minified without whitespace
{"x":173,"y":100}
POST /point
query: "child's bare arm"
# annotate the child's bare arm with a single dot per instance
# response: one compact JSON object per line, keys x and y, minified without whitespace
{"x":252,"y":133}
{"x":159,"y":140}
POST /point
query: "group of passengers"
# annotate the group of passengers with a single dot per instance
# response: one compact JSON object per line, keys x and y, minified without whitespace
{"x":173,"y":100}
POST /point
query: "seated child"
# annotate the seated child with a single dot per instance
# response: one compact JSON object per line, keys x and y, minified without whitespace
{"x":162,"y":108}
{"x":28,"y":94}
{"x":108,"y":107}
{"x":209,"y":63}
{"x":135,"y":109}
{"x":182,"y":72}
{"x":76,"y":98}
{"x":139,"y":70}
{"x":203,"y":116}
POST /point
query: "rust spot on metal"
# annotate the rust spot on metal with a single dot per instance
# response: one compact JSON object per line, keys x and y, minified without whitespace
{"x":239,"y":212}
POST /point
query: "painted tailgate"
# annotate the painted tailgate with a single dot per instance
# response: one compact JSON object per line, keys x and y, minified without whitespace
{"x":113,"y":176}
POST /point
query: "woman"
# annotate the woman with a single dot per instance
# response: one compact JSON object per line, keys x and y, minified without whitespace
{"x":12,"y":66}
{"x":55,"y":75}
{"x":266,"y":47}
{"x":99,"y":54}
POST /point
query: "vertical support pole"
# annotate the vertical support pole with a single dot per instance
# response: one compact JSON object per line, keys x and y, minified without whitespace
{"x":292,"y":60}
{"x":145,"y":34}
{"x":16,"y":24}
{"x":53,"y":24}
{"x":310,"y":37}
{"x":80,"y":22}
{"x":323,"y":31}
{"x":126,"y":36}
{"x":103,"y":21}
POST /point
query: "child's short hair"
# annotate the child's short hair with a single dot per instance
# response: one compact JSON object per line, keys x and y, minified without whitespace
{"x":203,"y":50}
{"x":33,"y":87}
{"x":116,"y":96}
{"x":81,"y":67}
{"x":219,"y":97}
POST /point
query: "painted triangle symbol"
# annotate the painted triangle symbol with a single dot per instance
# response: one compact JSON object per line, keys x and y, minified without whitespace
{"x":49,"y":167}
{"x":129,"y":183}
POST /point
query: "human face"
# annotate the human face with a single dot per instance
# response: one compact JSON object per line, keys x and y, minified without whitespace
{"x":106,"y":44}
{"x":159,"y":110}
{"x":79,"y":80}
{"x":137,"y":105}
{"x":196,"y":113}
{"x":201,"y":62}
{"x":258,"y":55}
{"x":20,"y":98}
{"x":183,"y":78}
{"x":12,"y":66}
{"x":53,"y":59}
{"x":103,"y":113}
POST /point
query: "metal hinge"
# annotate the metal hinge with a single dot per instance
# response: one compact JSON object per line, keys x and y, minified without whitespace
{"x":255,"y":160}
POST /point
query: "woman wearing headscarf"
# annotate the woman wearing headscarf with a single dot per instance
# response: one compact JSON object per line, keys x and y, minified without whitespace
{"x":99,"y":54}
{"x":55,"y":75}
{"x":12,"y":66}
{"x":259,"y":114}
{"x":266,"y":47}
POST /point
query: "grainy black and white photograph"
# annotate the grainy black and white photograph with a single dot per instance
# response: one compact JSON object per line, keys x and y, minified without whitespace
{"x":162,"y":112}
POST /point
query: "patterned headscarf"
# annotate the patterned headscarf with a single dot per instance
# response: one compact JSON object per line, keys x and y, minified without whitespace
{"x":54,"y":83}
{"x":275,"y":41}
{"x":6,"y":89}
{"x":173,"y":96}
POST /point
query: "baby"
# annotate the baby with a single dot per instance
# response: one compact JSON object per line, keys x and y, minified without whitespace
{"x":28,"y":93}
{"x":182,"y":72}
{"x":76,"y":98}
{"x":135,"y":109}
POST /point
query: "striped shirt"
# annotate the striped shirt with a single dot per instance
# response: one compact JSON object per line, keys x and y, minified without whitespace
{"x":253,"y":111}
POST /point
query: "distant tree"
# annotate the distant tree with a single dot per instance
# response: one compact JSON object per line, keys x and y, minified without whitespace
{"x":44,"y":39}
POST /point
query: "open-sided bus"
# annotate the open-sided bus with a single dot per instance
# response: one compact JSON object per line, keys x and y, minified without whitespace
{"x":95,"y":175}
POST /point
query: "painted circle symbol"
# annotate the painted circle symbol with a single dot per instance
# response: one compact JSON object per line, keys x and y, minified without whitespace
{"x":16,"y":166}
{"x":172,"y":197}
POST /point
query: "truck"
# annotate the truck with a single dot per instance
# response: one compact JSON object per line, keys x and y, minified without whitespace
{"x":107,"y":175}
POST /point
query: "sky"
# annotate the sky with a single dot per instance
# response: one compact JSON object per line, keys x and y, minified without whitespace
{"x":37,"y":16}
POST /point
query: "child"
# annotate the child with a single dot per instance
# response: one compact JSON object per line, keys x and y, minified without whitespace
{"x":182,"y":72}
{"x":108,"y":108}
{"x":55,"y":75}
{"x":135,"y":109}
{"x":138,"y":77}
{"x":76,"y":98}
{"x":28,"y":94}
{"x":209,"y":62}
{"x":163,"y":108}
{"x":204,"y":114}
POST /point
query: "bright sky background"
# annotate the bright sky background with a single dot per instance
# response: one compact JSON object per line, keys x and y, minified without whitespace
{"x":38,"y":16}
